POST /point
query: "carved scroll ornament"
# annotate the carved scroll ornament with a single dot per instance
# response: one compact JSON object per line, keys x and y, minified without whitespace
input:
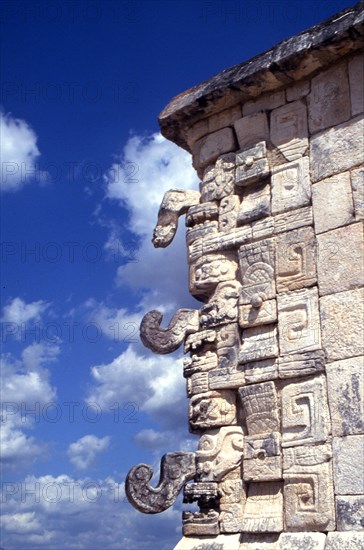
{"x":167,"y":340}
{"x":176,"y":469}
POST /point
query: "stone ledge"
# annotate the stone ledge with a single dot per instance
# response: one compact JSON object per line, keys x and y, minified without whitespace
{"x":294,"y":58}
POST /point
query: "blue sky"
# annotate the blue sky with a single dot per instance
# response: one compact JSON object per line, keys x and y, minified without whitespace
{"x":83,"y":170}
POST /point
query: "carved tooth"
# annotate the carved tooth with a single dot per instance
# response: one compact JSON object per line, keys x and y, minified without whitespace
{"x":167,"y":340}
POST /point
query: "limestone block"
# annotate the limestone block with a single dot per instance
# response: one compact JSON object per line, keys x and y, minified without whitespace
{"x":288,"y":129}
{"x":222,"y":307}
{"x":265,"y":102}
{"x":350,"y":513}
{"x":218,"y":179}
{"x":293,"y":219}
{"x":209,"y":270}
{"x":197,"y":131}
{"x":329,"y":100}
{"x":255,"y":203}
{"x":291,"y":186}
{"x":227,"y":336}
{"x":207,"y":149}
{"x":349,"y":464}
{"x":219,"y":454}
{"x":200,"y":523}
{"x":260,"y":408}
{"x":251,"y":165}
{"x":342,"y":324}
{"x":261,"y":371}
{"x":262,"y":229}
{"x":263,"y":314}
{"x":299,"y":321}
{"x":337,"y":149}
{"x":252,"y":541}
{"x":257,"y":265}
{"x":221,"y":241}
{"x":212,"y":409}
{"x":350,"y":540}
{"x":264,"y":508}
{"x":232,"y":504}
{"x":201,"y":213}
{"x":301,"y":364}
{"x":251,"y":129}
{"x":308,"y":489}
{"x":203,"y":361}
{"x":205,"y":493}
{"x":356,"y":80}
{"x":197,"y":383}
{"x":200,"y":231}
{"x":259,"y":343}
{"x":228,"y":213}
{"x":296,"y":259}
{"x":231,"y":376}
{"x":332,"y":202}
{"x":345,"y":380}
{"x":196,"y":340}
{"x":220,"y":542}
{"x":305,"y":413}
{"x":357,"y":184}
{"x":302,"y":541}
{"x":298,"y":90}
{"x":262,"y":458}
{"x":224,"y":118}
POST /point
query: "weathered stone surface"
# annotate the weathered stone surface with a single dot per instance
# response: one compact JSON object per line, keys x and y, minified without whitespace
{"x":201,"y":213}
{"x":224,"y":118}
{"x":200,"y":523}
{"x":345,"y":380}
{"x":232,"y":504}
{"x":228,"y":213}
{"x":332,"y":202}
{"x":268,"y":497}
{"x":356,"y":79}
{"x":293,"y":219}
{"x":302,"y":541}
{"x":257,"y":265}
{"x":176,"y":469}
{"x":252,"y":541}
{"x":308,"y":489}
{"x":196,"y":340}
{"x":218,"y":179}
{"x":296,"y":259}
{"x":205,"y":493}
{"x":340,"y":259}
{"x":212,"y":409}
{"x":329,"y":100}
{"x":259,"y":343}
{"x":305,"y":413}
{"x":291,"y":186}
{"x":301,"y":364}
{"x":255,"y":203}
{"x":264,"y":103}
{"x":298,"y":89}
{"x":357,"y":184}
{"x":166,"y":340}
{"x":342,"y":324}
{"x":337,"y":149}
{"x":209,"y":270}
{"x":251,"y":129}
{"x":299,"y":321}
{"x":345,"y":541}
{"x":219,"y":453}
{"x":175,"y":203}
{"x":288,"y":129}
{"x":350,"y":513}
{"x":260,"y":371}
{"x":197,"y":383}
{"x":201,"y":231}
{"x":222,"y":307}
{"x":349,"y":464}
{"x":230,"y":376}
{"x":260,"y":408}
{"x":251,"y":165}
{"x":207,"y":149}
{"x":264,"y":313}
{"x":220,"y":542}
{"x":262,"y":457}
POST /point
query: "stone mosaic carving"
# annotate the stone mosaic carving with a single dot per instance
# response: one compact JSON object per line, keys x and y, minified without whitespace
{"x":273,"y":362}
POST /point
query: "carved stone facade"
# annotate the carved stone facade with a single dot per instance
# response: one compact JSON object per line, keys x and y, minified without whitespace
{"x":274,"y":365}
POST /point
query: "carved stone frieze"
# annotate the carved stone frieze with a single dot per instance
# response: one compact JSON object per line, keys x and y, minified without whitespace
{"x":209,"y":270}
{"x":167,"y":340}
{"x":260,"y":408}
{"x":266,"y":496}
{"x":176,"y":469}
{"x":228,"y":213}
{"x":212,"y":409}
{"x":252,"y":165}
{"x":222,"y":307}
{"x":175,"y":203}
{"x":201,"y":523}
{"x":218,"y":180}
{"x":257,"y":264}
{"x":259,"y":343}
{"x":262,"y":457}
{"x":296,"y":259}
{"x":220,"y":453}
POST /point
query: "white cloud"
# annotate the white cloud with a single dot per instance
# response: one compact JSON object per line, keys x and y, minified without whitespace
{"x":19,"y":153}
{"x":18,"y":311}
{"x":83,"y":452}
{"x":51,"y":512}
